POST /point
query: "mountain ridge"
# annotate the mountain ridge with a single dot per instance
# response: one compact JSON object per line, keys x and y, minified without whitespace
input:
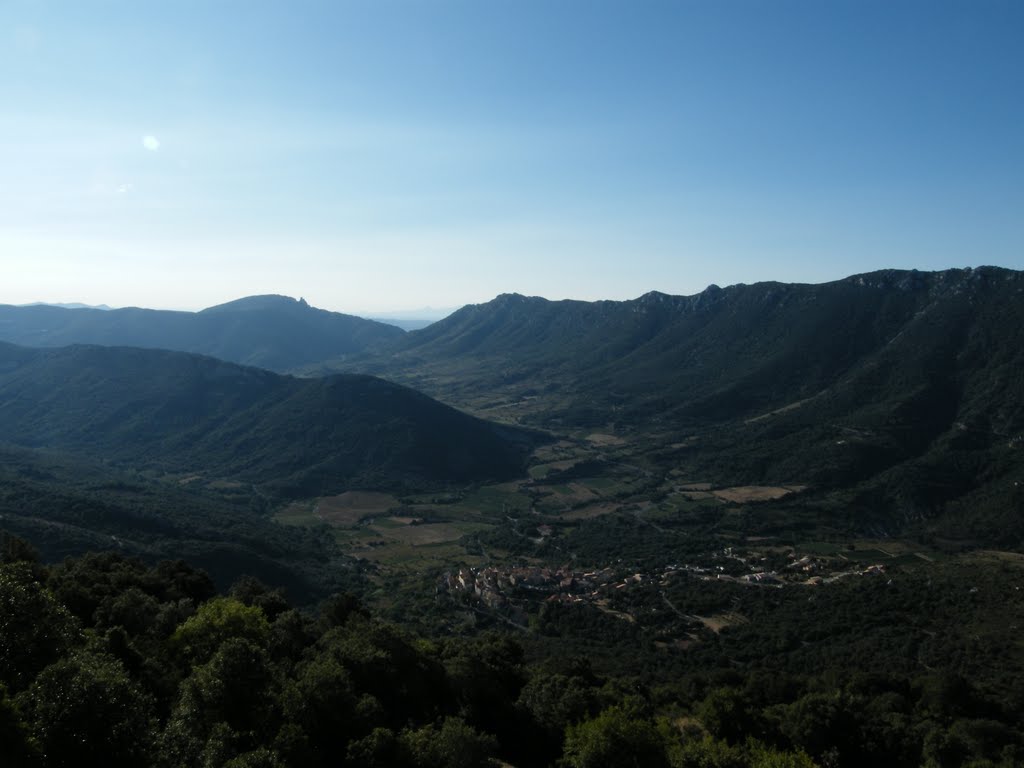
{"x":896,"y":394}
{"x":274,"y":332}
{"x":497,"y":327}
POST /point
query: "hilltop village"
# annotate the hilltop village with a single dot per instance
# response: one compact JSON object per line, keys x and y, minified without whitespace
{"x":512,"y":591}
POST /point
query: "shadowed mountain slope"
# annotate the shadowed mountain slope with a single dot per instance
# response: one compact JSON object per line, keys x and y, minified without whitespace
{"x":904,"y":389}
{"x":68,"y":506}
{"x":723,"y":353}
{"x":180,"y":412}
{"x":273,"y":332}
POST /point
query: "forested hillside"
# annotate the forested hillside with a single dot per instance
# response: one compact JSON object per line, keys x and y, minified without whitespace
{"x":724,"y":354}
{"x":775,"y":526}
{"x":106,"y":661}
{"x":898,"y":394}
{"x":173,"y":412}
{"x":68,"y":506}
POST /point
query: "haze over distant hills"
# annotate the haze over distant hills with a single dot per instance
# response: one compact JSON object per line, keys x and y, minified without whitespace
{"x":274,"y":332}
{"x":71,"y":305}
{"x":411,"y":319}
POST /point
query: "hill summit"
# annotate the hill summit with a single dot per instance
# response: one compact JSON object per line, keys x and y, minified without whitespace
{"x":269,"y":301}
{"x":274,"y":332}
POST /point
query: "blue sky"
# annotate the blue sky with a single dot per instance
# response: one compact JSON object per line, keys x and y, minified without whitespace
{"x":386,"y":155}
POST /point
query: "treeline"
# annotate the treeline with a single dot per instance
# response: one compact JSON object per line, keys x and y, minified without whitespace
{"x":67,"y":507}
{"x":105,"y":660}
{"x":917,"y":667}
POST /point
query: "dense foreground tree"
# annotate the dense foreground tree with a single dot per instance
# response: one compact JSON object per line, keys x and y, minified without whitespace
{"x":107,"y":661}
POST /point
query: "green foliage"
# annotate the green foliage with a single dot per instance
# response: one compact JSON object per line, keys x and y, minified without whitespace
{"x":232,"y":687}
{"x":557,"y":701}
{"x":251,"y":591}
{"x":448,"y":743}
{"x":35,"y":629}
{"x":486,"y":676}
{"x":821,"y":722}
{"x":387,"y":667}
{"x":976,"y":742}
{"x":381,"y":748}
{"x":85,"y":710}
{"x":709,"y":753}
{"x":16,"y":748}
{"x":453,"y":744}
{"x":224,"y":705}
{"x":162,"y":674}
{"x":67,"y":507}
{"x":219,"y":620}
{"x":726,"y":714}
{"x":133,"y":610}
{"x":613,"y":738}
{"x":258,"y":758}
{"x":336,"y":610}
{"x":16,"y":550}
{"x":323,"y":703}
{"x":92,"y":585}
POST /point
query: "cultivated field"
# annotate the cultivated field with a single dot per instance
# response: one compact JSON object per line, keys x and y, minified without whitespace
{"x":742,"y":494}
{"x":351,"y":507}
{"x":431,"y":533}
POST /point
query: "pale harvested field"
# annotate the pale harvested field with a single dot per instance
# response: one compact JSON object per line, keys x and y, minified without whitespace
{"x":351,"y":507}
{"x":555,"y":450}
{"x":720,"y":621}
{"x":680,"y":645}
{"x":746,"y":493}
{"x":697,"y":495}
{"x":226,"y":485}
{"x":431,"y":533}
{"x":599,"y":438}
{"x":1015,"y":558}
{"x":560,"y":465}
{"x":591,"y":510}
{"x":579,"y":492}
{"x":512,"y":486}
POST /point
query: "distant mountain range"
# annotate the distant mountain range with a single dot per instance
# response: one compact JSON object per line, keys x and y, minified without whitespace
{"x":72,"y":305}
{"x":273,"y":332}
{"x":734,"y":352}
{"x":176,"y":412}
{"x":903,"y":390}
{"x":899,"y":393}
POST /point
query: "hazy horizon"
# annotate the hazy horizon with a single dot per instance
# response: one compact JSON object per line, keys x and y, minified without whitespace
{"x":376,"y":158}
{"x":418,"y":313}
{"x":427,"y":312}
